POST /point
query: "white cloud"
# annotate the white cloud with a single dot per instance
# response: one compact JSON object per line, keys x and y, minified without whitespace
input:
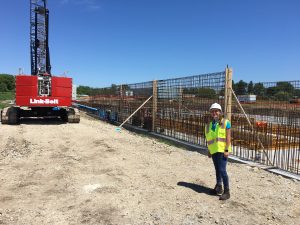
{"x":86,"y":4}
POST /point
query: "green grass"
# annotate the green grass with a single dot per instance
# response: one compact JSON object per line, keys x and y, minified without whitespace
{"x":7,"y":96}
{"x":4,"y":96}
{"x":3,"y":105}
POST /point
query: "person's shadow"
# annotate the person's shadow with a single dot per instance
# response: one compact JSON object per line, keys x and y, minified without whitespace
{"x":196,"y":187}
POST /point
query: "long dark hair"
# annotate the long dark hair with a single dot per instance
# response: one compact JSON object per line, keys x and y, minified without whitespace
{"x":221,"y":117}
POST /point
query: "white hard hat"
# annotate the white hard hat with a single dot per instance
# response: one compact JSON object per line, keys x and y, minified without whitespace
{"x":215,"y":106}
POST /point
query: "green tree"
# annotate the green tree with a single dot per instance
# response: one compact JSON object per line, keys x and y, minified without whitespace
{"x":190,"y":91}
{"x":241,"y":88}
{"x":3,"y":87}
{"x":283,"y":96}
{"x":234,"y":86}
{"x":114,"y":89}
{"x":297,"y":93}
{"x":206,"y":93}
{"x":271,"y":91}
{"x":250,"y":88}
{"x":84,"y":90}
{"x":222,"y":92}
{"x":259,"y":89}
{"x":285,"y":87}
{"x":8,"y":81}
{"x":201,"y":92}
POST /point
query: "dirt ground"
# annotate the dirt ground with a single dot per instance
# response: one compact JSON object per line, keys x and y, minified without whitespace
{"x":87,"y":173}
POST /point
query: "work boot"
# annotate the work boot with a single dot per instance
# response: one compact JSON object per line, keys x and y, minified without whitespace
{"x":225,"y":195}
{"x":218,"y":190}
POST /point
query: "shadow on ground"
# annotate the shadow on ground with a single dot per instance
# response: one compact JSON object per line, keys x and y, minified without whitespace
{"x":41,"y":121}
{"x":196,"y":187}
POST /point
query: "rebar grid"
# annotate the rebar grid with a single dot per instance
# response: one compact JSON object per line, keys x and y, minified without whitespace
{"x":183,"y":104}
{"x":275,"y":116}
{"x":181,"y":111}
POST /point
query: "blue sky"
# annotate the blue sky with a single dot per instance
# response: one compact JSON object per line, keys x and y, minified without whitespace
{"x":100,"y":42}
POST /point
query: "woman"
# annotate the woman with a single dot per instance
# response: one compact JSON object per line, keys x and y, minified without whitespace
{"x":217,"y":133}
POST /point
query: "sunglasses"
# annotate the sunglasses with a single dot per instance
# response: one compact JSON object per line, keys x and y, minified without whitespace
{"x":214,"y":111}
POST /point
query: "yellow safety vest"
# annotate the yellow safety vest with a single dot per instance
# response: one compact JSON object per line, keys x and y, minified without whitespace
{"x":216,"y":140}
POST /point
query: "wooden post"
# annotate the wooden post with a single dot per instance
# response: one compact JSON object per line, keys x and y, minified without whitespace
{"x":154,"y":104}
{"x":121,"y":103}
{"x":228,"y":93}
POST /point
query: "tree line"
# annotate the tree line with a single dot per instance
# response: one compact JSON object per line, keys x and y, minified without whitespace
{"x":7,"y":83}
{"x":281,"y":91}
{"x":278,"y":91}
{"x":86,"y":90}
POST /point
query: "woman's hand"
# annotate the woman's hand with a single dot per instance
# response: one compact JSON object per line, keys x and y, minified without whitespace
{"x":226,"y":154}
{"x":208,"y":154}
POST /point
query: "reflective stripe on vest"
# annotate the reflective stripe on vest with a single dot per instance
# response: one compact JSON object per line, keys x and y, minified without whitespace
{"x":211,"y":142}
{"x":217,"y":140}
{"x":221,"y":140}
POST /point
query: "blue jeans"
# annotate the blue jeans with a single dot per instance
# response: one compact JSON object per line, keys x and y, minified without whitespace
{"x":220,"y":163}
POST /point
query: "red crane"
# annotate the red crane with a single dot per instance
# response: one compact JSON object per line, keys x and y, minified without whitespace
{"x":41,"y":94}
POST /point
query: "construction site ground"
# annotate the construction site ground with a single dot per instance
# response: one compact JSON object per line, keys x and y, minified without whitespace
{"x":87,"y":173}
